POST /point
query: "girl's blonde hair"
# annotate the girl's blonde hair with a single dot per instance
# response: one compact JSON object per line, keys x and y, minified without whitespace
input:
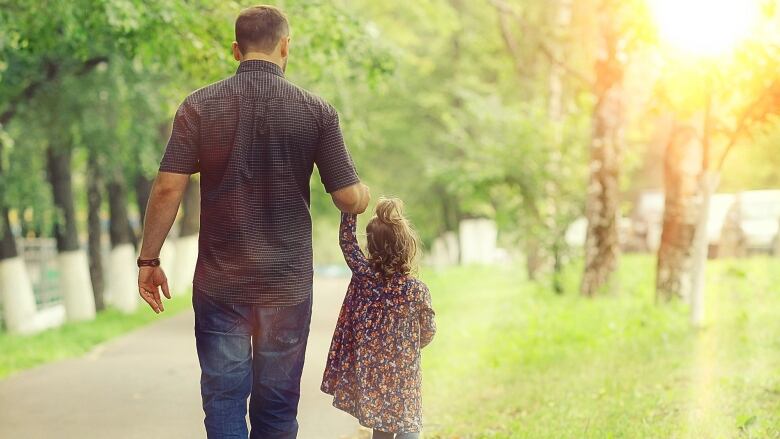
{"x":392,"y":242}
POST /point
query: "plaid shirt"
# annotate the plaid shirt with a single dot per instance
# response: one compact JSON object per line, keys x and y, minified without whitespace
{"x":255,"y":138}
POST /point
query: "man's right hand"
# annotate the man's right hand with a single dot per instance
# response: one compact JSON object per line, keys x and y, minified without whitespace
{"x":352,"y":199}
{"x":150,"y":281}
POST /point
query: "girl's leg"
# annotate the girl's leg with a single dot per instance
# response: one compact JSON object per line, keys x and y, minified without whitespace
{"x":379,"y":434}
{"x":407,"y":436}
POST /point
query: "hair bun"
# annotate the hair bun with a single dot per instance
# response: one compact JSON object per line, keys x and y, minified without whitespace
{"x":390,"y":211}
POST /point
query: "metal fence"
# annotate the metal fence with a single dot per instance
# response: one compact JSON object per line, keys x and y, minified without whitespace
{"x":40,"y":256}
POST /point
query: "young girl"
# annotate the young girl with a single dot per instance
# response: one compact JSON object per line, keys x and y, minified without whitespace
{"x":373,"y":369}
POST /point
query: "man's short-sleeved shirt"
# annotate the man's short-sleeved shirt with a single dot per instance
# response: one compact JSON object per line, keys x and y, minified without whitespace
{"x":255,"y":138}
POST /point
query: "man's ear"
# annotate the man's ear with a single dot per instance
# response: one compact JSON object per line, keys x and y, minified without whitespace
{"x":284,"y":47}
{"x":236,"y":51}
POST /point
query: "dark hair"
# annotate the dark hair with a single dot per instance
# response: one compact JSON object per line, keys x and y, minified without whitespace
{"x":260,"y":28}
{"x":392,"y":243}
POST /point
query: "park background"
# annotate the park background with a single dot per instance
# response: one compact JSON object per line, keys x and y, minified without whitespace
{"x":596,"y":184}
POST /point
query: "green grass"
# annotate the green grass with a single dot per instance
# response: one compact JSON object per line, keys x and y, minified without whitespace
{"x":513,"y":360}
{"x":18,"y":352}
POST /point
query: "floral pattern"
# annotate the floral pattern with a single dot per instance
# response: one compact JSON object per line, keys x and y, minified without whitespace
{"x":373,"y":368}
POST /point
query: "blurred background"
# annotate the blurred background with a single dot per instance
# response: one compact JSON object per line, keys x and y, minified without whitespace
{"x":596,"y":184}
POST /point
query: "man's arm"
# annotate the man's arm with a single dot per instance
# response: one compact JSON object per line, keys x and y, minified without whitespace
{"x":167,"y":192}
{"x":352,"y":199}
{"x":336,"y":169}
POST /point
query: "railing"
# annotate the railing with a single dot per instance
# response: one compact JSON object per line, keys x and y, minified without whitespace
{"x":40,"y":256}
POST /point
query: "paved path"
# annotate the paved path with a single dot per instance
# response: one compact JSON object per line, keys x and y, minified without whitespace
{"x":145,"y":385}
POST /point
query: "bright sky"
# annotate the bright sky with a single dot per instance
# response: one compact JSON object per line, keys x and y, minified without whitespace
{"x":705,"y":27}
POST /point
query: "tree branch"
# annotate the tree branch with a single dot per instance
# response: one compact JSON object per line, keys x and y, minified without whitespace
{"x":510,"y":42}
{"x":745,"y":119}
{"x":53,"y":70}
{"x":504,"y":10}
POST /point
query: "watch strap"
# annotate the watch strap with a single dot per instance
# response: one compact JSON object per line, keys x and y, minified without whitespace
{"x":148,"y":262}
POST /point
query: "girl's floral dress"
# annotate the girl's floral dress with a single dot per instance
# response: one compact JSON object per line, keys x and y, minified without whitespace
{"x":373,"y":368}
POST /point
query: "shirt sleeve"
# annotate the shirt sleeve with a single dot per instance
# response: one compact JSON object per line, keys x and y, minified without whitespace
{"x":333,"y":160}
{"x":426,"y":316}
{"x":181,"y":153}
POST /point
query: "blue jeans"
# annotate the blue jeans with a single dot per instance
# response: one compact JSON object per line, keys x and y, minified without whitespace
{"x":248,"y":351}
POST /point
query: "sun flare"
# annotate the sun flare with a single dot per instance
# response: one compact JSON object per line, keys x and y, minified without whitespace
{"x":704,"y":27}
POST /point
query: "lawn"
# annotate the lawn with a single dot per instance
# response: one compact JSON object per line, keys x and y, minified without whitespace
{"x":513,"y":360}
{"x":19,"y":352}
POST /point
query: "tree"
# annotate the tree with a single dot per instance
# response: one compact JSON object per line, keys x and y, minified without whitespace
{"x":682,"y":163}
{"x":16,"y":292}
{"x":606,"y":146}
{"x":551,"y":203}
{"x":726,"y":99}
{"x":95,"y":228}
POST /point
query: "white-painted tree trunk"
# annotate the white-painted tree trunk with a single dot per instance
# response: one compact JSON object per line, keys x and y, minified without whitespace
{"x":708,"y":183}
{"x":50,"y":317}
{"x":477,"y":239}
{"x":186,"y":259}
{"x":438,"y":257}
{"x":123,"y":279}
{"x":76,"y":285}
{"x":453,"y":247}
{"x":17,"y":294}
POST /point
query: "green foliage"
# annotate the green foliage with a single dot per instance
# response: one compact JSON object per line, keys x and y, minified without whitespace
{"x":440,"y":105}
{"x":523,"y":363}
{"x":106,"y":77}
{"x":757,"y":163}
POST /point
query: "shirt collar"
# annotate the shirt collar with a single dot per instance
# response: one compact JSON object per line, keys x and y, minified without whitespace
{"x":258,"y":65}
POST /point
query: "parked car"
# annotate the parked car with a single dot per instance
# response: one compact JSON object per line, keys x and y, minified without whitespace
{"x":753,"y":224}
{"x":647,"y":221}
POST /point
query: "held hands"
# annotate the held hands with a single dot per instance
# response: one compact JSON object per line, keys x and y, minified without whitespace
{"x":352,"y":199}
{"x":365,"y":197}
{"x":150,"y":280}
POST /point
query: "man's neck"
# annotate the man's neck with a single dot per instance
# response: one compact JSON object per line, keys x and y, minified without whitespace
{"x":255,"y":56}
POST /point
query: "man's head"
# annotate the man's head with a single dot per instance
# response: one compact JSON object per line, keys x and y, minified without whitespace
{"x":262,"y":32}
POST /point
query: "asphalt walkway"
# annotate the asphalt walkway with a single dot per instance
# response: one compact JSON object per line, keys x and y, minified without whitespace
{"x":145,"y":385}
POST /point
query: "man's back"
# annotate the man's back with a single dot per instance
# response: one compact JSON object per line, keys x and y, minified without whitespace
{"x":255,"y":137}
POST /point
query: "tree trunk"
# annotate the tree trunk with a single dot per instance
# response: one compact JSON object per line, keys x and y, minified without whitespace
{"x":186,"y":243}
{"x":16,"y":292}
{"x":75,"y":282}
{"x":682,"y":167}
{"x":708,"y":183}
{"x":143,"y":188}
{"x":95,"y":231}
{"x":534,"y":258}
{"x":8,"y":248}
{"x":557,"y":284}
{"x":602,"y":246}
{"x":120,"y":230}
{"x":556,"y":111}
{"x":7,"y":241}
{"x":58,"y":164}
{"x":190,"y":223}
{"x":122,"y":284}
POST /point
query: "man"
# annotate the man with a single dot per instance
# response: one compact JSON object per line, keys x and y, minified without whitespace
{"x":254,"y":137}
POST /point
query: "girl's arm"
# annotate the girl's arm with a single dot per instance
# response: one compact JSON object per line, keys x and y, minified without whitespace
{"x":426,"y":316}
{"x":354,"y":256}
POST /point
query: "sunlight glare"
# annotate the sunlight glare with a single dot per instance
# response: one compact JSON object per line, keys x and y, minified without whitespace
{"x":704,"y":27}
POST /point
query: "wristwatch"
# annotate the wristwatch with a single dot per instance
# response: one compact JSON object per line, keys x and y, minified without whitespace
{"x":148,"y":262}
